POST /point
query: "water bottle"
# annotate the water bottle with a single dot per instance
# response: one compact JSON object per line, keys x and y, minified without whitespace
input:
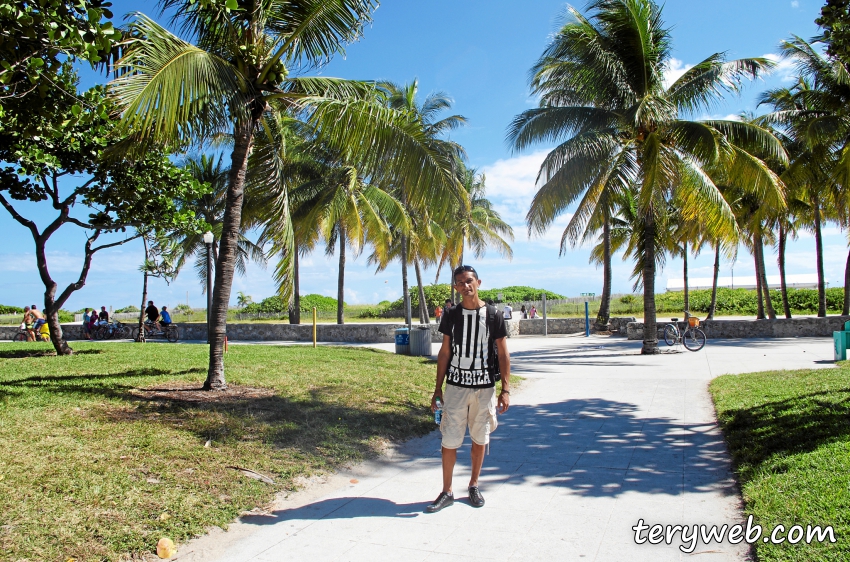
{"x":438,"y":414}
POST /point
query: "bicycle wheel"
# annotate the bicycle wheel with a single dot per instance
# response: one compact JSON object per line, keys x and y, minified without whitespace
{"x":671,"y":334}
{"x":172,"y":334}
{"x":99,"y":333}
{"x":694,"y":339}
{"x":20,"y":337}
{"x":124,"y":332}
{"x":135,"y":334}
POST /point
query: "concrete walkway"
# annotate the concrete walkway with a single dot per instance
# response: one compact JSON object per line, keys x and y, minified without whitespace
{"x":597,"y":438}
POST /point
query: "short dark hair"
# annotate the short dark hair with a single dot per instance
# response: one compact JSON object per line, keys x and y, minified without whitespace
{"x":34,"y":306}
{"x":463,"y":268}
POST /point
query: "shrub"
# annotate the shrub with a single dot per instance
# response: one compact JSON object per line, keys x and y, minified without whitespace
{"x":274,"y":305}
{"x":745,"y":301}
{"x":65,"y":315}
{"x":182,"y":308}
{"x":127,"y":309}
{"x":7,"y":309}
{"x":628,"y":299}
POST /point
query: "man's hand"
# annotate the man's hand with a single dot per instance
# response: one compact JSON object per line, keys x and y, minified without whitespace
{"x":504,"y":403}
{"x":437,"y":394}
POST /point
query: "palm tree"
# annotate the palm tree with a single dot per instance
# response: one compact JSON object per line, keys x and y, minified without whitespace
{"x":601,"y":83}
{"x":211,"y":207}
{"x":477,"y":227}
{"x":350,"y":213}
{"x":424,"y":115}
{"x":813,"y":115}
{"x":239,"y":74}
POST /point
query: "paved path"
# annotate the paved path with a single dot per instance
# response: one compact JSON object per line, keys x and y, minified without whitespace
{"x":597,"y":438}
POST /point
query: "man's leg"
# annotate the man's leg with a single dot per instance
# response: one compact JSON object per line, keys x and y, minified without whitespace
{"x":449,"y":459}
{"x":477,"y":455}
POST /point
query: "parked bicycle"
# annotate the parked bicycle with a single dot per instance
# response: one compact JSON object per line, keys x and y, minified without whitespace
{"x":115,"y":330}
{"x":691,"y":337}
{"x":170,"y":332}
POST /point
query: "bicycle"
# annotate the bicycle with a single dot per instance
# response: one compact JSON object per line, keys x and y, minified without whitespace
{"x":171,"y":333}
{"x":42,"y":335}
{"x":108,"y":331}
{"x":692,"y":337}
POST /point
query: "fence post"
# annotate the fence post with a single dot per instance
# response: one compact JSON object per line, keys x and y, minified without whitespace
{"x":586,"y":320}
{"x":545,"y":321}
{"x":314,"y":326}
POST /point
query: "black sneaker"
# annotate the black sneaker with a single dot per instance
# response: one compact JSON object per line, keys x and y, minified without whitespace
{"x":445,"y":499}
{"x":475,"y":497}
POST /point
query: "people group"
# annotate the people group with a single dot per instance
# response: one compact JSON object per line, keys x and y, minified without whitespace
{"x":33,"y":321}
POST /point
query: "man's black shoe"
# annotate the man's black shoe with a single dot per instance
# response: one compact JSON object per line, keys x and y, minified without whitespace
{"x":445,"y":499}
{"x":475,"y":497}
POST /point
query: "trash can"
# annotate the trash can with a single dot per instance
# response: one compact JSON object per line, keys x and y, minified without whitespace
{"x":402,"y":341}
{"x":420,"y":341}
{"x":840,"y":340}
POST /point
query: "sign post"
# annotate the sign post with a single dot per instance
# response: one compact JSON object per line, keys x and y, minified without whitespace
{"x":545,"y":322}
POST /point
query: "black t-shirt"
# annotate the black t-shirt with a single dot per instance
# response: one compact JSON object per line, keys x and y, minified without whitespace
{"x":103,"y":315}
{"x":473,"y":345}
{"x":152,"y":313}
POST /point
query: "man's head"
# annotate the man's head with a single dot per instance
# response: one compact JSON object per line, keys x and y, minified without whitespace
{"x":33,"y":307}
{"x":26,"y":309}
{"x":150,"y":303}
{"x":449,"y":303}
{"x":164,"y":308}
{"x":466,"y":281}
{"x":103,"y":308}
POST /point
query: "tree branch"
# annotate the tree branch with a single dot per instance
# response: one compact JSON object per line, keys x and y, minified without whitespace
{"x":113,"y":244}
{"x":15,"y":215}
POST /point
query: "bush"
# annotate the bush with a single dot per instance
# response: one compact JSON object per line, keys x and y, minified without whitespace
{"x":274,"y":305}
{"x":127,"y":309}
{"x":745,"y":301}
{"x":436,"y":295}
{"x":65,"y":315}
{"x":517,"y":293}
{"x":182,"y":308}
{"x":628,"y":299}
{"x":6,"y":309}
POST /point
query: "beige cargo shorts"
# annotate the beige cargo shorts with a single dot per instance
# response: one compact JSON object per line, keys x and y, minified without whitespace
{"x":468,"y":407}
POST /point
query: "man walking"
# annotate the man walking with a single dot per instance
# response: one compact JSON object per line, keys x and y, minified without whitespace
{"x":474,"y":353}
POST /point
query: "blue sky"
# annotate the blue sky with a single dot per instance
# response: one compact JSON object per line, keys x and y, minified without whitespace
{"x":479,"y":52}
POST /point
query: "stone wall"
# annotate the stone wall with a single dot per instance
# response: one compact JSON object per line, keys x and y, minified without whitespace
{"x":779,"y":328}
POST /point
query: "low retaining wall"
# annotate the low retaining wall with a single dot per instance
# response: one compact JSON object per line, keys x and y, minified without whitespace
{"x":779,"y":328}
{"x":354,"y":332}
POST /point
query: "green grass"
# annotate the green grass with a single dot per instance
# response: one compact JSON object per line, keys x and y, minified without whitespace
{"x":95,"y":467}
{"x":789,"y":435}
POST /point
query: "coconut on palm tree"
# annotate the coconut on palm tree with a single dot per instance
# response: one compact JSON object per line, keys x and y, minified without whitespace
{"x":238,"y":71}
{"x":601,"y":83}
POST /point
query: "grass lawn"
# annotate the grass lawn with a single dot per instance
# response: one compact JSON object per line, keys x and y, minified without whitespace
{"x":104,"y":452}
{"x":789,"y":435}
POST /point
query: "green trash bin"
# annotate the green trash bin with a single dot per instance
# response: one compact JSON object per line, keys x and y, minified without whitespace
{"x":840,"y":340}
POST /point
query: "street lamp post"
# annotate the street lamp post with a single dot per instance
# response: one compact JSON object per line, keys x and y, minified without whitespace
{"x":208,"y":240}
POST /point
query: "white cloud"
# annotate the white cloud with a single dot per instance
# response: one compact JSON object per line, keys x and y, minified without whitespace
{"x":795,"y":4}
{"x":784,"y":68}
{"x":674,"y":71}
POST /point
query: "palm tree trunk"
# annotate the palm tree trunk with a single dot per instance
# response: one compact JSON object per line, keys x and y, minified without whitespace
{"x":687,"y":297}
{"x":604,"y":314}
{"x":760,"y":299}
{"x":243,"y":135}
{"x":340,"y":287}
{"x":713,"y":306}
{"x":295,"y":311}
{"x":845,"y":310}
{"x":819,"y":252}
{"x":768,"y":302}
{"x":424,"y":317}
{"x":780,"y":261}
{"x":650,"y":330}
{"x":141,"y":337}
{"x":404,"y":286}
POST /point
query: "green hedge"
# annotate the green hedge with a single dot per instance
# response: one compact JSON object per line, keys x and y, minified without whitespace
{"x":744,"y":301}
{"x":6,"y":309}
{"x":127,"y":309}
{"x":436,"y":295}
{"x":274,"y":305}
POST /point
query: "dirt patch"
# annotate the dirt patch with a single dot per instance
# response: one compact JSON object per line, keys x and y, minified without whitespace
{"x":192,"y":393}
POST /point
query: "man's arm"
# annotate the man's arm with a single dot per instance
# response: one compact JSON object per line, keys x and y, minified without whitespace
{"x":443,"y":358}
{"x":505,"y":370}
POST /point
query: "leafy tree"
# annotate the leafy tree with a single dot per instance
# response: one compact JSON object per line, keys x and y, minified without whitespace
{"x":603,"y":96}
{"x":56,"y":158}
{"x":238,"y":76}
{"x":38,"y":36}
{"x":243,"y":300}
{"x":835,"y":21}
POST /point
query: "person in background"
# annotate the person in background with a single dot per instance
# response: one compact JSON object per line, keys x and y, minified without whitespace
{"x":86,"y":320}
{"x":39,"y":321}
{"x":508,"y":312}
{"x":165,"y":317}
{"x":523,"y":314}
{"x":27,"y":323}
{"x":103,"y":317}
{"x":152,"y":313}
{"x":93,"y":319}
{"x":448,"y":306}
{"x":533,"y":312}
{"x":438,"y":313}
